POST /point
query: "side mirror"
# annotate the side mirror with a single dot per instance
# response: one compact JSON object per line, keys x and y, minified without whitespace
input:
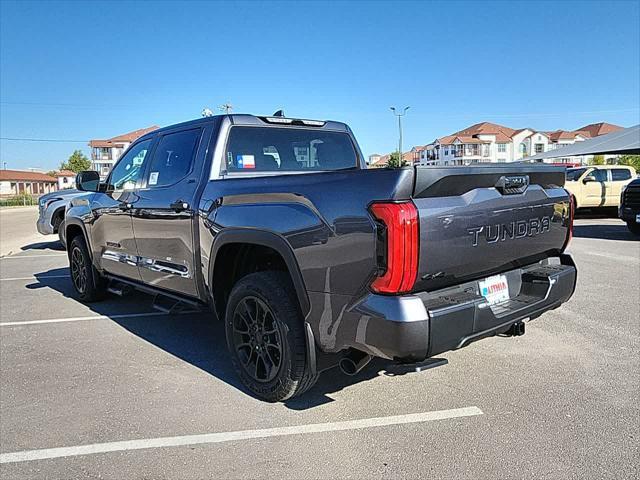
{"x":588,"y":178}
{"x":88,"y":181}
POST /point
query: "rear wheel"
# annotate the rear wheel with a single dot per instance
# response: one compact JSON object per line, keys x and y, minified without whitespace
{"x":633,"y":227}
{"x":265,"y":337}
{"x":89,"y":285}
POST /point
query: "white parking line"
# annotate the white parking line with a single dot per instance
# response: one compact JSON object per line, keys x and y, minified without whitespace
{"x":83,"y":319}
{"x":207,"y":438}
{"x":33,"y":278}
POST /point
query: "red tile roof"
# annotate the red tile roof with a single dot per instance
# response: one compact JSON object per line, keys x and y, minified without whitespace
{"x":23,"y":176}
{"x":65,"y":173}
{"x":125,"y":137}
{"x":561,"y":135}
{"x":597,"y":129}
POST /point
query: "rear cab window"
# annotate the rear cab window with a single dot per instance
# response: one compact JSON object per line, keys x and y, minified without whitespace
{"x":273,"y":149}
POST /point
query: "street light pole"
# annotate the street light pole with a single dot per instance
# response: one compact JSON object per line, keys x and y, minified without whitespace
{"x":399,"y":115}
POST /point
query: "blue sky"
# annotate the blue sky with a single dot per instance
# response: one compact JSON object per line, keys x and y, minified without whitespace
{"x":76,"y":71}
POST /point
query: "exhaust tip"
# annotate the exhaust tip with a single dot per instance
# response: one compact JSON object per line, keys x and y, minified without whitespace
{"x":353,"y":363}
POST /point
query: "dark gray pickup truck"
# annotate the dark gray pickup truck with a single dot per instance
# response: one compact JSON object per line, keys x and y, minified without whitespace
{"x":314,"y":261}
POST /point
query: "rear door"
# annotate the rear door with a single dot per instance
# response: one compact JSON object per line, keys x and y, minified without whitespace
{"x":619,"y":178}
{"x":111,"y":229}
{"x":165,"y":208}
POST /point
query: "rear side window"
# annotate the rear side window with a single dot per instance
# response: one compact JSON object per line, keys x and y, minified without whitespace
{"x":173,"y":158}
{"x":255,"y":149}
{"x":620,"y":174}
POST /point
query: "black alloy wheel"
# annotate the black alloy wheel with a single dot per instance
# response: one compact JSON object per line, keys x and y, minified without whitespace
{"x":78,"y":270}
{"x":257,"y":339}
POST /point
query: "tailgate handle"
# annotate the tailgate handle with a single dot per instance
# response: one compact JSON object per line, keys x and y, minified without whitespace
{"x":512,"y":184}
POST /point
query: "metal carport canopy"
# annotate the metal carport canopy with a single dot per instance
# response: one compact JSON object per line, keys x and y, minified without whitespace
{"x":626,"y":141}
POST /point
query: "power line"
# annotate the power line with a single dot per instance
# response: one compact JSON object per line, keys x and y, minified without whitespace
{"x":56,"y":140}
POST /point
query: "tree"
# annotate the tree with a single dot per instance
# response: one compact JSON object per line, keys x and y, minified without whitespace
{"x":395,"y":162}
{"x":631,"y":160}
{"x":77,"y":162}
{"x":597,"y":160}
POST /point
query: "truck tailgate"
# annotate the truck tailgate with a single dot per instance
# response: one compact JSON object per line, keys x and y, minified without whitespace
{"x":481,"y":220}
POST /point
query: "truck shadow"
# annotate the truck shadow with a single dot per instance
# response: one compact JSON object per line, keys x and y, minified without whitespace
{"x":196,"y":338}
{"x":607,"y":232}
{"x":43,"y":246}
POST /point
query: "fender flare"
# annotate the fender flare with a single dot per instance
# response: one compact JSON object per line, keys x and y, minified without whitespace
{"x":76,"y":222}
{"x":267,"y":239}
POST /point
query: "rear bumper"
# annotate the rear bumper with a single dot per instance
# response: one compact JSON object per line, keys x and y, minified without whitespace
{"x":415,"y":327}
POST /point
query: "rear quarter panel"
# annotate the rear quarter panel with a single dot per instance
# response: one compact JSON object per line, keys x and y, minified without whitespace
{"x":322,"y":216}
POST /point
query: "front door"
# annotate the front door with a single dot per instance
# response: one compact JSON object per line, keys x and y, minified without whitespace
{"x":112,"y":229}
{"x":595,"y":191}
{"x":164,"y":211}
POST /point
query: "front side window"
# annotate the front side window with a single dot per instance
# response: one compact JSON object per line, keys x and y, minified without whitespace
{"x":573,"y":174}
{"x":620,"y":174}
{"x":128,"y":170}
{"x":270,"y":149}
{"x":173,"y":157}
{"x":599,"y":174}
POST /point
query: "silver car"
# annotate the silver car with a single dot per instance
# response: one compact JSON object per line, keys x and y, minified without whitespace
{"x":51,"y":211}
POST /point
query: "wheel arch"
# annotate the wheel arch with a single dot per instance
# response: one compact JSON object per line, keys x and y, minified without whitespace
{"x":57,"y":213}
{"x":74,"y":227}
{"x":231,"y":243}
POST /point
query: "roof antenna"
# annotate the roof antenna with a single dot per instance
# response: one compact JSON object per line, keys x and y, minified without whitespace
{"x":279,"y":113}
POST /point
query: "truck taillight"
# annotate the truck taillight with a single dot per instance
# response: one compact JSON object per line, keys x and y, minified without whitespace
{"x":572,"y":212}
{"x":399,"y":248}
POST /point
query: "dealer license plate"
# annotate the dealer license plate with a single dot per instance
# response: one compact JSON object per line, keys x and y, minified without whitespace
{"x":495,"y":289}
{"x":638,"y":218}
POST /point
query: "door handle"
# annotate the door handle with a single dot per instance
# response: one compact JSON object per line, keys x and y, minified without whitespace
{"x":125,"y":206}
{"x":179,"y":206}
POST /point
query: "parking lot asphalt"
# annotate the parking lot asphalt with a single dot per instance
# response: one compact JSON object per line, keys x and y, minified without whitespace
{"x":117,"y":390}
{"x":14,"y":237}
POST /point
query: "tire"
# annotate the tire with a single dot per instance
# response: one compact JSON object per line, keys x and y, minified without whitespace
{"x":57,"y":222}
{"x":60,"y":237}
{"x":88,"y":284}
{"x":266,"y":338}
{"x":634,"y":227}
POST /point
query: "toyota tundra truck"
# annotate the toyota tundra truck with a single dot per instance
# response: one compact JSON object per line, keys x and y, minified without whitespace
{"x":313,"y":261}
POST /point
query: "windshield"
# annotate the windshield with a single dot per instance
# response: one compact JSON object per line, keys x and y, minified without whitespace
{"x":573,"y":174}
{"x":256,"y":149}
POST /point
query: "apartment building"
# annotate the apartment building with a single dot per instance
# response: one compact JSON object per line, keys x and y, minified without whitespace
{"x":105,"y":153}
{"x":487,"y":142}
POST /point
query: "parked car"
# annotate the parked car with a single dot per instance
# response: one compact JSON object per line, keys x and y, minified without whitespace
{"x":311,"y":260}
{"x":598,"y":185}
{"x":630,"y":206}
{"x":51,"y":208}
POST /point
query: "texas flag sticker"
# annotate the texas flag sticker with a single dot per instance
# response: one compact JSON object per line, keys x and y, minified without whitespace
{"x":246,"y":161}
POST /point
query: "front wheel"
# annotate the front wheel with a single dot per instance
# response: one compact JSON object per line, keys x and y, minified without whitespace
{"x":265,"y":337}
{"x":88,"y":283}
{"x":633,"y":227}
{"x":61,"y":234}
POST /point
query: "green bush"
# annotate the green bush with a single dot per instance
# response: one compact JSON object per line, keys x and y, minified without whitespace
{"x":22,"y":199}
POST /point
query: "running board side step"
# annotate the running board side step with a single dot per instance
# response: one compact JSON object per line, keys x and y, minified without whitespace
{"x":165,"y":302}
